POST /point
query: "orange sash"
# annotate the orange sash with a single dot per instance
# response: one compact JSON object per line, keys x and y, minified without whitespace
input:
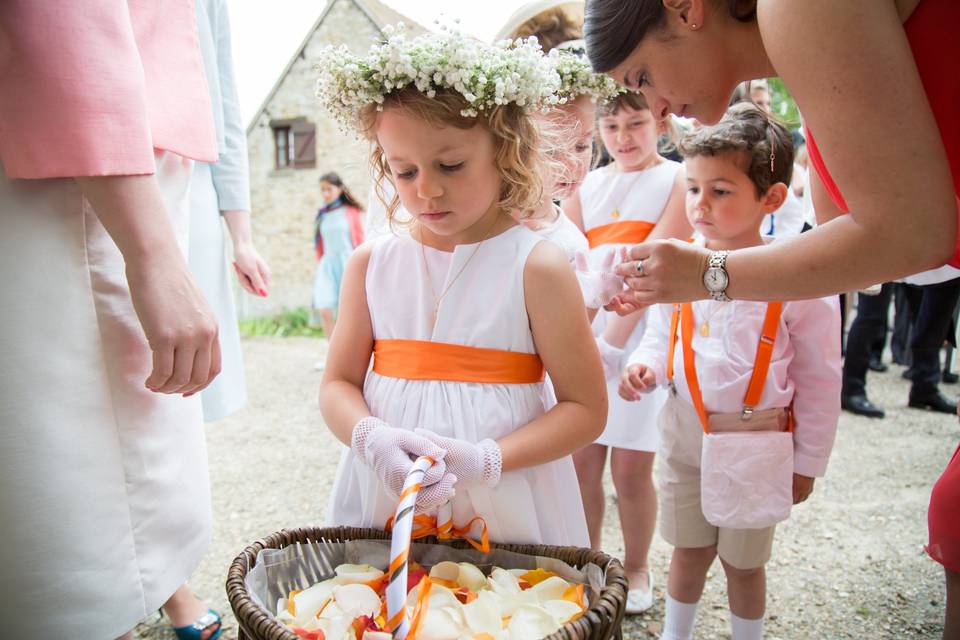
{"x":425,"y":360}
{"x":761,"y":364}
{"x":625,"y":232}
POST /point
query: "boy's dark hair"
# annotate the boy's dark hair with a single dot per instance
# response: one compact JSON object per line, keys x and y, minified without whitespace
{"x":763,"y":145}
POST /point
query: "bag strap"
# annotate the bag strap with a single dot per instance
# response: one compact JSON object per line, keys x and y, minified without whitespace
{"x":683,"y":316}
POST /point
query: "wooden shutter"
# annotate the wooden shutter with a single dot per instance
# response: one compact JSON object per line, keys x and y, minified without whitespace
{"x":304,"y":144}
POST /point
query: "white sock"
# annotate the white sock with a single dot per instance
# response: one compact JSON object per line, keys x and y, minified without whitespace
{"x":744,"y":629}
{"x":678,"y":620}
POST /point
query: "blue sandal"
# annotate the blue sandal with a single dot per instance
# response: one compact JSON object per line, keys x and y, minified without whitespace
{"x":203,"y":624}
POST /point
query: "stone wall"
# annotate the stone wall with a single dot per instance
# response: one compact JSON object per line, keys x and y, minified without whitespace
{"x":285,"y":201}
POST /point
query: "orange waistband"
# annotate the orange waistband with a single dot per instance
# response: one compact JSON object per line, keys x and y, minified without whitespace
{"x":425,"y":360}
{"x":626,"y":232}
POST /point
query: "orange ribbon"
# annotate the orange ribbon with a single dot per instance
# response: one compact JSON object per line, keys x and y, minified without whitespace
{"x":624,"y":232}
{"x":426,"y":360}
{"x":424,"y":525}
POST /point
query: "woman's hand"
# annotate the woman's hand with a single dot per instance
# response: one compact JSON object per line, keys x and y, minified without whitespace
{"x":179,"y":325}
{"x":671,"y":271}
{"x":252,"y":270}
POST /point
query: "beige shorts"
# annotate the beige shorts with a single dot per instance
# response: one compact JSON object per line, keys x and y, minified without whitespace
{"x":678,"y":482}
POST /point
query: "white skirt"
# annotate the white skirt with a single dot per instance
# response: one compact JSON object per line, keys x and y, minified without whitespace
{"x":208,"y":263}
{"x":536,"y":505}
{"x":104,"y":494}
{"x":630,"y":425}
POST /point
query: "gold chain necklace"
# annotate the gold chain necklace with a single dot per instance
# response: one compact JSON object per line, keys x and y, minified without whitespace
{"x":426,"y":268}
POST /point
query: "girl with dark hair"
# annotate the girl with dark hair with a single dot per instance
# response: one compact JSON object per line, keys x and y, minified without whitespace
{"x":687,"y":56}
{"x":338,"y":231}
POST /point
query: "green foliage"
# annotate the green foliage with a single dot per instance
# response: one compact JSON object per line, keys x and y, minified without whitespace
{"x":783,"y":104}
{"x":292,"y":322}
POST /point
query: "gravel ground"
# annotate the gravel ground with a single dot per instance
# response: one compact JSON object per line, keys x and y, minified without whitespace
{"x":849,"y":563}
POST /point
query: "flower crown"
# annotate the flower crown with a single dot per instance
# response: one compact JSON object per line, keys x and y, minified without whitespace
{"x":486,"y":76}
{"x":578,"y":79}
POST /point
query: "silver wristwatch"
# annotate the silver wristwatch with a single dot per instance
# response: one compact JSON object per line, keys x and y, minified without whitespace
{"x":715,"y":278}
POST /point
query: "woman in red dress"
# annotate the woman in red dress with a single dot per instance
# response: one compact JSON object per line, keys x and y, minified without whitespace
{"x":878,"y":85}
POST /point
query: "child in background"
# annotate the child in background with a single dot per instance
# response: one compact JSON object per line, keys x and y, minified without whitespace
{"x":619,"y":205}
{"x":736,"y":172}
{"x":338,"y":230}
{"x":465,"y":283}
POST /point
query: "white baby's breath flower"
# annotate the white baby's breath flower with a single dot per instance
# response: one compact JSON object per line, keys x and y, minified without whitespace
{"x":578,"y":79}
{"x":485,"y":75}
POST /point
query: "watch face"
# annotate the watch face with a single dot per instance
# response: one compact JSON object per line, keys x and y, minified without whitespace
{"x":715,"y":279}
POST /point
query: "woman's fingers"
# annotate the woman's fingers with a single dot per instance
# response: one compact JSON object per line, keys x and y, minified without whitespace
{"x":244,"y":280}
{"x":163,"y":358}
{"x":265,"y":272}
{"x":671,"y":271}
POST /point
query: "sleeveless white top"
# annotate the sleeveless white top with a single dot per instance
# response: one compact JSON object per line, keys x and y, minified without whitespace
{"x":565,"y":234}
{"x":608,"y":196}
{"x":485,"y":307}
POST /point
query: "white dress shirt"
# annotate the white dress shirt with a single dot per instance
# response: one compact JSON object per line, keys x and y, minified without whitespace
{"x":805,"y":368}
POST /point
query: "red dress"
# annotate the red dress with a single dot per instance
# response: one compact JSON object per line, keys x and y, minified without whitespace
{"x":936,"y":51}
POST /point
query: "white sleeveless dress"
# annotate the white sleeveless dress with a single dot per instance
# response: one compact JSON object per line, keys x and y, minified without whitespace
{"x":609,"y":196}
{"x":484,"y":308}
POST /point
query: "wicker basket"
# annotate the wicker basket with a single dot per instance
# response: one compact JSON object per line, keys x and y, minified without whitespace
{"x":600,"y":622}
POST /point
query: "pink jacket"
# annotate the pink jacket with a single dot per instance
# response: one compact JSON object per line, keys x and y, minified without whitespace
{"x":92,"y":88}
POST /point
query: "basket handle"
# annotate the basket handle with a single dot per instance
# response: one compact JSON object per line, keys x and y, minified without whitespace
{"x":400,"y":546}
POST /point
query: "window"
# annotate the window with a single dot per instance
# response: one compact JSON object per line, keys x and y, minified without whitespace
{"x":282,"y":139}
{"x":294,"y":144}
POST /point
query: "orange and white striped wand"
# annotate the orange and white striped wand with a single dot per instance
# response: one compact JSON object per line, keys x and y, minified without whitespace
{"x":397,"y":622}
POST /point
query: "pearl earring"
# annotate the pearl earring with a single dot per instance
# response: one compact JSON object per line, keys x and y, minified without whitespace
{"x":693,"y":26}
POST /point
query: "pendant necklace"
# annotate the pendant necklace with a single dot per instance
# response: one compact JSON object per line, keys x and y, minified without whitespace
{"x":426,"y":268}
{"x":705,"y":324}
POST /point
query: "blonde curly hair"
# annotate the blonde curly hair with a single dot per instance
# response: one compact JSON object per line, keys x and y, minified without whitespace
{"x":519,"y":159}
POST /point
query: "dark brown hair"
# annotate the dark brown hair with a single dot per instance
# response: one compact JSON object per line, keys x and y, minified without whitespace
{"x":630,"y":99}
{"x":634,"y":100}
{"x":347,"y":197}
{"x":552,"y":27}
{"x":612,"y":29}
{"x":763,"y":146}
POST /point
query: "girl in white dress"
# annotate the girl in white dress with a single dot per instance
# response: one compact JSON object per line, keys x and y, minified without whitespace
{"x":618,"y":205}
{"x":463,"y":311}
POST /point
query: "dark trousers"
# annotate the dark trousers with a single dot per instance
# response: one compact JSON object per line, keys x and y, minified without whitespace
{"x":931,"y":310}
{"x":868,"y":326}
{"x":900,"y":340}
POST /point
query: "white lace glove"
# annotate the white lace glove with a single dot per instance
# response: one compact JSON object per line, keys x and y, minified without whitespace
{"x":611,"y":357}
{"x":598,"y":287}
{"x":470,"y":462}
{"x":390,"y":453}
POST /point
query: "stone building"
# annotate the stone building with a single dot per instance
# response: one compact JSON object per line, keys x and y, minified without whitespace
{"x":292,"y":142}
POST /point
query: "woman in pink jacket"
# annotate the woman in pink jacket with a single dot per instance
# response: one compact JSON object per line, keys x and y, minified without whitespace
{"x":104,"y":496}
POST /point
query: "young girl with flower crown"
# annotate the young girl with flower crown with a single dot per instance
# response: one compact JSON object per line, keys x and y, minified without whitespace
{"x":617,"y":205}
{"x":463,"y":310}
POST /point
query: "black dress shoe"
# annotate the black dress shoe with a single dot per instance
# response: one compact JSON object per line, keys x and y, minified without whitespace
{"x":933,"y":401}
{"x":876,"y":364}
{"x":861,"y":406}
{"x":950,"y":378}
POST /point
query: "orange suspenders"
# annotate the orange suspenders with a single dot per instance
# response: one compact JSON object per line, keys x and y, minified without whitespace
{"x":683,"y":316}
